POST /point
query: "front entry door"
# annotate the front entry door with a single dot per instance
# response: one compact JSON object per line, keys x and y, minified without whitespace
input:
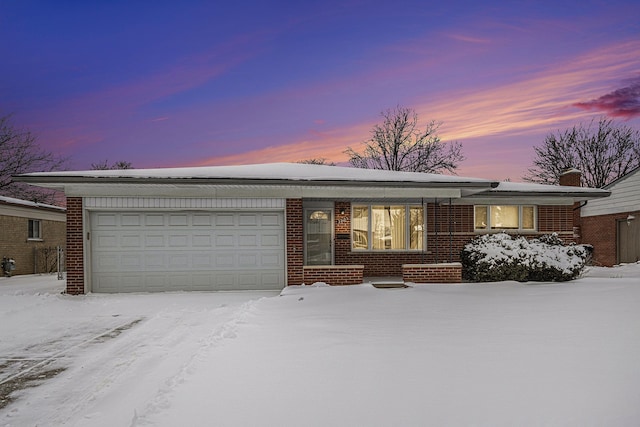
{"x":318,"y":236}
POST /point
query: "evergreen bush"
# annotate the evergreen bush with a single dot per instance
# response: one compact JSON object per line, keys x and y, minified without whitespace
{"x":499,"y":257}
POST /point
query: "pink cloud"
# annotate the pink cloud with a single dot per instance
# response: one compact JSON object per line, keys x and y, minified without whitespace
{"x":513,"y":112}
{"x":469,"y":39}
{"x":623,"y":102}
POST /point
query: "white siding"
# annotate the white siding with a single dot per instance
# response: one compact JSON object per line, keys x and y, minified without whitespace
{"x":191,"y":203}
{"x":625,"y":197}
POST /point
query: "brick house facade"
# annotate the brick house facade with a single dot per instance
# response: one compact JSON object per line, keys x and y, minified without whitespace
{"x":19,"y":219}
{"x":612,"y":225}
{"x":317,"y":236}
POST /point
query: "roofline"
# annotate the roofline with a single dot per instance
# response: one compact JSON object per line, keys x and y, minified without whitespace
{"x":40,"y":206}
{"x":623,"y":177}
{"x":43,"y":179}
{"x":572,"y":194}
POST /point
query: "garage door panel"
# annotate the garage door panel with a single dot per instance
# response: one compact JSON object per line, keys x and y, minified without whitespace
{"x":132,"y":262}
{"x":178,"y":220}
{"x":270,"y":239}
{"x":131,"y":241}
{"x":178,"y":240}
{"x":224,"y":260}
{"x":178,"y":261}
{"x":202,"y":240}
{"x":105,"y":219}
{"x":154,"y":241}
{"x":152,"y":220}
{"x":202,"y":220}
{"x":224,"y":220}
{"x":106,"y":242}
{"x":271,"y":219}
{"x":247,"y":260}
{"x":271,"y":259}
{"x":162,"y":251}
{"x":202,"y":260}
{"x":107,"y":262}
{"x":250,"y":240}
{"x":130,"y":220}
{"x":226,"y":240}
{"x":248,"y":220}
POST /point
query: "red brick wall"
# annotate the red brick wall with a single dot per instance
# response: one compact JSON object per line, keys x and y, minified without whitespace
{"x":571,"y":179}
{"x":440,"y":248}
{"x":75,"y":241}
{"x":295,"y":243}
{"x":432,"y":273}
{"x":555,"y":219}
{"x":601,"y":232}
{"x":334,"y":275}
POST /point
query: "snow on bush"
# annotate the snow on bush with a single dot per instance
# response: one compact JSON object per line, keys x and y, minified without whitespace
{"x":497,"y":257}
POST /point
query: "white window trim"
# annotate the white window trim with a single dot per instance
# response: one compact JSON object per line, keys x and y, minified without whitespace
{"x":407,"y":212}
{"x":512,"y":230}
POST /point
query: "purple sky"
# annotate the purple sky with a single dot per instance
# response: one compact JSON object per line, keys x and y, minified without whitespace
{"x":187,"y":83}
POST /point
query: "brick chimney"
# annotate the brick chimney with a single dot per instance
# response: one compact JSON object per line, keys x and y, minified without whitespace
{"x":573,"y":178}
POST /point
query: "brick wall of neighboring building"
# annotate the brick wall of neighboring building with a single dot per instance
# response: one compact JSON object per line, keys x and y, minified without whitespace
{"x":31,"y":256}
{"x":75,"y":242}
{"x":295,"y":242}
{"x":601,"y":232}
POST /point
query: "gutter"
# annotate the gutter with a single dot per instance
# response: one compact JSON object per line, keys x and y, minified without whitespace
{"x":240,"y":181}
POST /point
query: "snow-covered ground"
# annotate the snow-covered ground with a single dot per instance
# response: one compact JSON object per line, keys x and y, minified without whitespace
{"x":491,"y":354}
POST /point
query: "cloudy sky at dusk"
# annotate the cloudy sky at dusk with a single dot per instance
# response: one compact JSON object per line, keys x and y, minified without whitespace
{"x":163,"y":84}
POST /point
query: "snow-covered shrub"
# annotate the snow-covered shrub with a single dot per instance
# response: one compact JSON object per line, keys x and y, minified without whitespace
{"x":497,"y":257}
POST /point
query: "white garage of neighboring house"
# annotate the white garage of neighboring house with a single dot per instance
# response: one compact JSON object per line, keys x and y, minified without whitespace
{"x":267,"y":226}
{"x":612,"y":225}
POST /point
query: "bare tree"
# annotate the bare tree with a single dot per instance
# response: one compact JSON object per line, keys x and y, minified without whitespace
{"x":316,"y":161}
{"x":104,"y":165}
{"x":603,"y":153}
{"x":20,"y":154}
{"x":399,"y":144}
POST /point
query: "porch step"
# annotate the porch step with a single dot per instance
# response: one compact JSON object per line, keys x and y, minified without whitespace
{"x":386,"y":282}
{"x":389,"y":285}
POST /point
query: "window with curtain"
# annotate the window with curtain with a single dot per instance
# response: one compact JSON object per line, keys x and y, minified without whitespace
{"x":505,"y":217}
{"x":387,"y":227}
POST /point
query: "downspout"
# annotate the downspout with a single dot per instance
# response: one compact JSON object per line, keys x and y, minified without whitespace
{"x":424,"y":231}
{"x":450,"y":232}
{"x":435,"y":224}
{"x":580,"y":206}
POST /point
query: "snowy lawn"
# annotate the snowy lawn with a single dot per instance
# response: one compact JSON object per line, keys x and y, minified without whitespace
{"x":492,"y":354}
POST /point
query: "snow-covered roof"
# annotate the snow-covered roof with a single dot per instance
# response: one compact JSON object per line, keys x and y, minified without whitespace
{"x":26,"y":203}
{"x":335,"y":180}
{"x":267,"y":172}
{"x":532,"y":188}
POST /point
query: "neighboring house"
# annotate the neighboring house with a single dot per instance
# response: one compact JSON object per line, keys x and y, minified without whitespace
{"x":29,"y":234}
{"x":612,"y":225}
{"x":266,"y":226}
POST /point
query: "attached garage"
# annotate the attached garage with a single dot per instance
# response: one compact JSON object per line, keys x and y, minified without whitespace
{"x":143,"y":251}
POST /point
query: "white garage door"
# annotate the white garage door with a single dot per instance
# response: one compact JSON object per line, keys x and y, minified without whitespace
{"x":170,"y":251}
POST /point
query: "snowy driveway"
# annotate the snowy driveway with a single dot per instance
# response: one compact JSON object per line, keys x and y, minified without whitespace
{"x":83,"y":359}
{"x":496,"y":354}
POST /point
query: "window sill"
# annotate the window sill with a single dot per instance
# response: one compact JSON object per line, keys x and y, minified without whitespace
{"x":389,"y":251}
{"x":508,"y":230}
{"x":35,"y":240}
